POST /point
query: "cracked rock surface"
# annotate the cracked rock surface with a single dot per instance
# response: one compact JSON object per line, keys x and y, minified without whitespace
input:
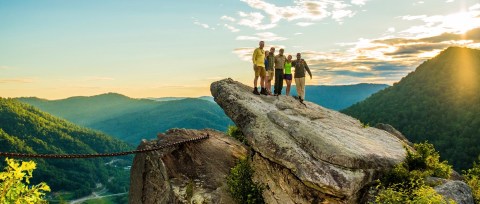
{"x":325,"y":155}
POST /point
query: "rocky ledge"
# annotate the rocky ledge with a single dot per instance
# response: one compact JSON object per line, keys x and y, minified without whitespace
{"x":188,"y":173}
{"x":305,"y":153}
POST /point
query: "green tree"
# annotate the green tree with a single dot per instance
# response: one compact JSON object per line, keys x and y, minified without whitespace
{"x":472,"y":177}
{"x":15,"y":184}
{"x":241,"y":186}
{"x":405,"y":183}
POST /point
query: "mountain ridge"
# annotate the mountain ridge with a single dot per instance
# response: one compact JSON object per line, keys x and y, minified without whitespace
{"x":437,"y":102}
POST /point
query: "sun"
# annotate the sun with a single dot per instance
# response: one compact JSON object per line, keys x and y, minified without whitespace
{"x":461,"y":22}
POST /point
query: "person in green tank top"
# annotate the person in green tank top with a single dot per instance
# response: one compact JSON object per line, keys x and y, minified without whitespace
{"x":288,"y":73}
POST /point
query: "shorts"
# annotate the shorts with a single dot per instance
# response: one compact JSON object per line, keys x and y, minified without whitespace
{"x":270,"y":74}
{"x":287,"y":76}
{"x":259,"y":71}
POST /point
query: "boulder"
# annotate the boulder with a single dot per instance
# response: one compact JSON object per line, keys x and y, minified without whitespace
{"x":458,"y":191}
{"x":305,"y":153}
{"x":188,"y":173}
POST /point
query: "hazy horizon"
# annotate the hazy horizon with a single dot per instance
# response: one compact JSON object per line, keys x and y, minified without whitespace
{"x":57,"y":49}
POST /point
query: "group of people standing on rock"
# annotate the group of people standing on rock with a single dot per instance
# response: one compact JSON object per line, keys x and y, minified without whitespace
{"x":268,"y":66}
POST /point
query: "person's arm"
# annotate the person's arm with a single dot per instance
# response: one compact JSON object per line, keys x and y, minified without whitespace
{"x":254,"y":56}
{"x":308,"y":69}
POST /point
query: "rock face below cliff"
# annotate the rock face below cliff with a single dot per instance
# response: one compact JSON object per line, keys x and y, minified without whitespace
{"x":307,"y":153}
{"x":189,"y":173}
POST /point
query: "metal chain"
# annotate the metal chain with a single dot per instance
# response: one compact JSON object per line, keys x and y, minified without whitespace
{"x":114,"y":154}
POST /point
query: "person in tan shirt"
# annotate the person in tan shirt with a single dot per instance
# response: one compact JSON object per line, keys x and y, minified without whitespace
{"x":258,"y":59}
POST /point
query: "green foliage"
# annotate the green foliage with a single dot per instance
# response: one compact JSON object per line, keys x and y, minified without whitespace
{"x":405,"y":183}
{"x":472,"y":178}
{"x":25,"y":129}
{"x":189,"y":189}
{"x":421,"y":195}
{"x":15,"y":184}
{"x":236,"y":133}
{"x":437,"y":102}
{"x":131,"y":120}
{"x":241,"y":186}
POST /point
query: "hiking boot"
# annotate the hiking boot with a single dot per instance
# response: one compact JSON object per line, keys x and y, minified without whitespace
{"x":255,"y":91}
{"x":263,"y":91}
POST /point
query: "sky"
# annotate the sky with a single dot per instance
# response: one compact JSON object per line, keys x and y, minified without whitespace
{"x":56,"y":49}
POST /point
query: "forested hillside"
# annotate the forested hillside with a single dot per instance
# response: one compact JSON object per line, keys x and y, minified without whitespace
{"x":26,"y":129}
{"x":438,"y":102}
{"x":132,"y":120}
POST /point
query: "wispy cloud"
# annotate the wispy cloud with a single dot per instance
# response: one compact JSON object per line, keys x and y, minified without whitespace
{"x":359,"y":2}
{"x":228,"y":18}
{"x":4,"y":67}
{"x":231,"y":28}
{"x":304,"y":24}
{"x":17,"y":80}
{"x":98,"y":78}
{"x":267,"y":36}
{"x":203,"y":25}
{"x":310,"y":10}
{"x":387,"y":59}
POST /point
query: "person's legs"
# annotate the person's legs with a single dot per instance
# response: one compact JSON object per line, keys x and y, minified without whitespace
{"x":262,"y":80}
{"x":297,"y":85}
{"x":255,"y":80}
{"x":289,"y":83}
{"x":301,"y":88}
{"x":268,"y":82}
{"x":278,"y":81}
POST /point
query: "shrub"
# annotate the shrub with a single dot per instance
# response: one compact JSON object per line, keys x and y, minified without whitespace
{"x":472,"y":178}
{"x":15,"y":184}
{"x":236,"y":133}
{"x":189,"y":189}
{"x":405,"y":183}
{"x":241,"y":186}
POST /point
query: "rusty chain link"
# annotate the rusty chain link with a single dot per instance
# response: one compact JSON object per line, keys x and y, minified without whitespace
{"x":114,"y":154}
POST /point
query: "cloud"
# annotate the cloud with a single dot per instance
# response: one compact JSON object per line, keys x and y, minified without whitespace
{"x":4,"y":67}
{"x":309,"y":10}
{"x":359,"y":2}
{"x":231,"y":28}
{"x":228,"y":18}
{"x":265,"y":36}
{"x":304,"y":24}
{"x":17,"y":81}
{"x":254,"y":20}
{"x":298,"y":34}
{"x":99,"y":78}
{"x":437,"y":24}
{"x":203,"y":25}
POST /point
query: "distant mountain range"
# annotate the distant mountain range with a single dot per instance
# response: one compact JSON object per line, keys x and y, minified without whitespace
{"x":340,"y":96}
{"x":26,"y":129}
{"x":134,"y":119}
{"x":438,"y":102}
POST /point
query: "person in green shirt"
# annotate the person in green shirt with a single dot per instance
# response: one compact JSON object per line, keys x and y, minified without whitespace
{"x":288,"y":73}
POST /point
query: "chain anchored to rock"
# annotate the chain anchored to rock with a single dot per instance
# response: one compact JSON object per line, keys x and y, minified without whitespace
{"x":114,"y":154}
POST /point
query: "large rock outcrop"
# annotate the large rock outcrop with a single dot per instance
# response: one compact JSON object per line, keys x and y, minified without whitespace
{"x":189,"y":173}
{"x":307,"y":153}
